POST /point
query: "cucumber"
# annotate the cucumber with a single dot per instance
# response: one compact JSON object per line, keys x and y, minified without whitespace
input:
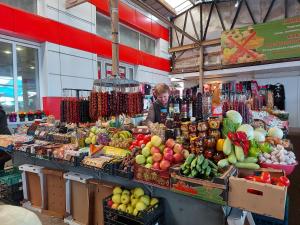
{"x":194,"y":172}
{"x":227,"y":146}
{"x":200,"y":160}
{"x":186,"y":171}
{"x":194,"y":162}
{"x":207,"y":172}
{"x":205,"y":164}
{"x":198,"y":167}
{"x":212,"y":164}
{"x":231,"y":158}
{"x":239,"y":153}
{"x":250,"y":160}
{"x":189,"y":159}
{"x":251,"y":166}
{"x":223,"y":163}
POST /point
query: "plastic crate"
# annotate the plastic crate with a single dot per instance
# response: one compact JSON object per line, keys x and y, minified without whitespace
{"x":10,"y":176}
{"x":152,"y":216}
{"x":118,"y":171}
{"x":265,"y":220}
{"x":12,"y":194}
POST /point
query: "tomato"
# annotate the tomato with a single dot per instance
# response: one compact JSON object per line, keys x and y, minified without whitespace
{"x":249,"y":177}
{"x":274,"y":180}
{"x":257,"y":179}
{"x":147,"y":138}
{"x":135,"y":143}
{"x":265,"y":177}
{"x":131,"y":147}
{"x":141,"y":142}
{"x":242,"y":136}
{"x":140,"y":137}
{"x":280,"y":184}
{"x":284,"y":180}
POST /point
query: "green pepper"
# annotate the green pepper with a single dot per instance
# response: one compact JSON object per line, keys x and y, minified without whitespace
{"x":253,"y":152}
{"x":265,"y":147}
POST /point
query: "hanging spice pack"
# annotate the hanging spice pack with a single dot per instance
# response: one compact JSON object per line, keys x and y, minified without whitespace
{"x":75,"y":110}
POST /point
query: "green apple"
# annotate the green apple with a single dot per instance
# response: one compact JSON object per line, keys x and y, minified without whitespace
{"x":125,"y":199}
{"x":156,"y":140}
{"x":149,"y":145}
{"x":94,"y":129}
{"x":140,"y":206}
{"x":94,"y":140}
{"x":129,"y":209}
{"x":122,"y":207}
{"x":125,"y":192}
{"x":146,"y":151}
{"x":116,"y":198}
{"x":154,"y":201}
{"x":134,"y":202}
{"x":91,"y":135}
{"x":117,"y":190}
{"x":148,"y":166}
{"x":135,"y":212}
{"x":161,"y":148}
{"x":149,"y":160}
{"x":145,"y":199}
{"x":140,"y":159}
{"x":138,"y":192}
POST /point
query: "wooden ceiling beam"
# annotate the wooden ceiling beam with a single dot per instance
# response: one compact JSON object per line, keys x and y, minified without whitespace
{"x":206,"y":43}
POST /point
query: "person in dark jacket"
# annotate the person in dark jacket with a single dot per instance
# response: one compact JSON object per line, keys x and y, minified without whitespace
{"x":162,"y":94}
{"x":4,"y":157}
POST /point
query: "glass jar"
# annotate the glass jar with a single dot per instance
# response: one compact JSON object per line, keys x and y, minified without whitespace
{"x":210,"y":142}
{"x":214,"y":122}
{"x":202,"y":126}
{"x":193,"y":128}
{"x":202,"y":134}
{"x":215,"y":133}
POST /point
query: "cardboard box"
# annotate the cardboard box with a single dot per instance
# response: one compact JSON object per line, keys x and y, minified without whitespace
{"x":266,"y":199}
{"x":215,"y":190}
{"x":54,"y":193}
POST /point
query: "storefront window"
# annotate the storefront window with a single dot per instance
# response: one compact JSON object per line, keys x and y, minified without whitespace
{"x":27,"y":67}
{"x":103,"y":26}
{"x":129,"y":37}
{"x":19,"y":68}
{"x":147,"y":44}
{"x":28,"y":5}
{"x":7,"y":99}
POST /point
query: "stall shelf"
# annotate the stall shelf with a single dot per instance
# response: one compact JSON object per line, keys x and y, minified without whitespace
{"x":179,"y":208}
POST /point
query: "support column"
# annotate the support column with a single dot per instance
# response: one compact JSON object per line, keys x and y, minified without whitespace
{"x":201,"y":68}
{"x":114,"y":13}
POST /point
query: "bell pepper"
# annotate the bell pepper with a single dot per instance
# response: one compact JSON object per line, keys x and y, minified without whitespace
{"x":265,"y":147}
{"x":220,"y":144}
{"x":242,"y":136}
{"x":284,"y":180}
{"x":253,"y":152}
{"x":266,"y":177}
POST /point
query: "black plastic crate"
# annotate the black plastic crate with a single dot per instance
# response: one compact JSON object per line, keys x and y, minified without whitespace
{"x":12,"y":194}
{"x":118,"y":171}
{"x":152,"y":216}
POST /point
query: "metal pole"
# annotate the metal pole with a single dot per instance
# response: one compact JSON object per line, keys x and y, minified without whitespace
{"x":114,"y":13}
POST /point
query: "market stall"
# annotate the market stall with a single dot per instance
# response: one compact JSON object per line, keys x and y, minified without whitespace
{"x":212,"y":151}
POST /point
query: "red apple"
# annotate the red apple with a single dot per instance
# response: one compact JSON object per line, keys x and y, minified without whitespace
{"x":110,"y":203}
{"x":170,"y":143}
{"x":157,"y":157}
{"x":147,"y":138}
{"x":164,"y":165}
{"x":141,"y":142}
{"x":154,"y":150}
{"x":168,"y":156}
{"x":156,"y":166}
{"x":168,"y":150}
{"x":140,"y":137}
{"x":178,"y":148}
{"x":178,"y":157}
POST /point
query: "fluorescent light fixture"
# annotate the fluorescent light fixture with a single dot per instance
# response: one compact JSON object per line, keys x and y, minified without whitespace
{"x":19,"y":48}
{"x":32,"y":67}
{"x":7,"y":52}
{"x":237,"y":3}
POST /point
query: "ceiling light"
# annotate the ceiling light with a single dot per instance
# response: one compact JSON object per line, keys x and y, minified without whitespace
{"x":32,"y":67}
{"x":19,"y":48}
{"x":7,"y":52}
{"x":237,"y":4}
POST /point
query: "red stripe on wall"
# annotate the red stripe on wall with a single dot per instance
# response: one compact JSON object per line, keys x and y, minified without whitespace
{"x":29,"y":26}
{"x":134,"y":19}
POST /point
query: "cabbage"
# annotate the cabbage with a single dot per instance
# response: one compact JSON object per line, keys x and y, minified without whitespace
{"x":262,"y":130}
{"x":275,"y":132}
{"x":259,"y":136}
{"x":248,"y":129}
{"x":234,"y":116}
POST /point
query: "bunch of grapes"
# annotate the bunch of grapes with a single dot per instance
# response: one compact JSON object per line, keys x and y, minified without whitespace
{"x":103,"y":139}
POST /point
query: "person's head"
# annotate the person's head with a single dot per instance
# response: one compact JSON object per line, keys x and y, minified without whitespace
{"x":162,"y":92}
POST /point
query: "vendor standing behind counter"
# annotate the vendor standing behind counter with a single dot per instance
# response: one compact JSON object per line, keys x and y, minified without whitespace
{"x":160,"y":105}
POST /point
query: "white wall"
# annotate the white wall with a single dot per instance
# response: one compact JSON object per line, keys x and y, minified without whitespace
{"x":151,"y":76}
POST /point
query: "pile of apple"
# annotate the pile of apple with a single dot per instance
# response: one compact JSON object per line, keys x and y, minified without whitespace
{"x":158,"y":156}
{"x":131,"y":202}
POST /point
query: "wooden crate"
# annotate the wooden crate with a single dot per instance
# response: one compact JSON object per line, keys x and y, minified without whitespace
{"x":54,"y":193}
{"x":33,"y":186}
